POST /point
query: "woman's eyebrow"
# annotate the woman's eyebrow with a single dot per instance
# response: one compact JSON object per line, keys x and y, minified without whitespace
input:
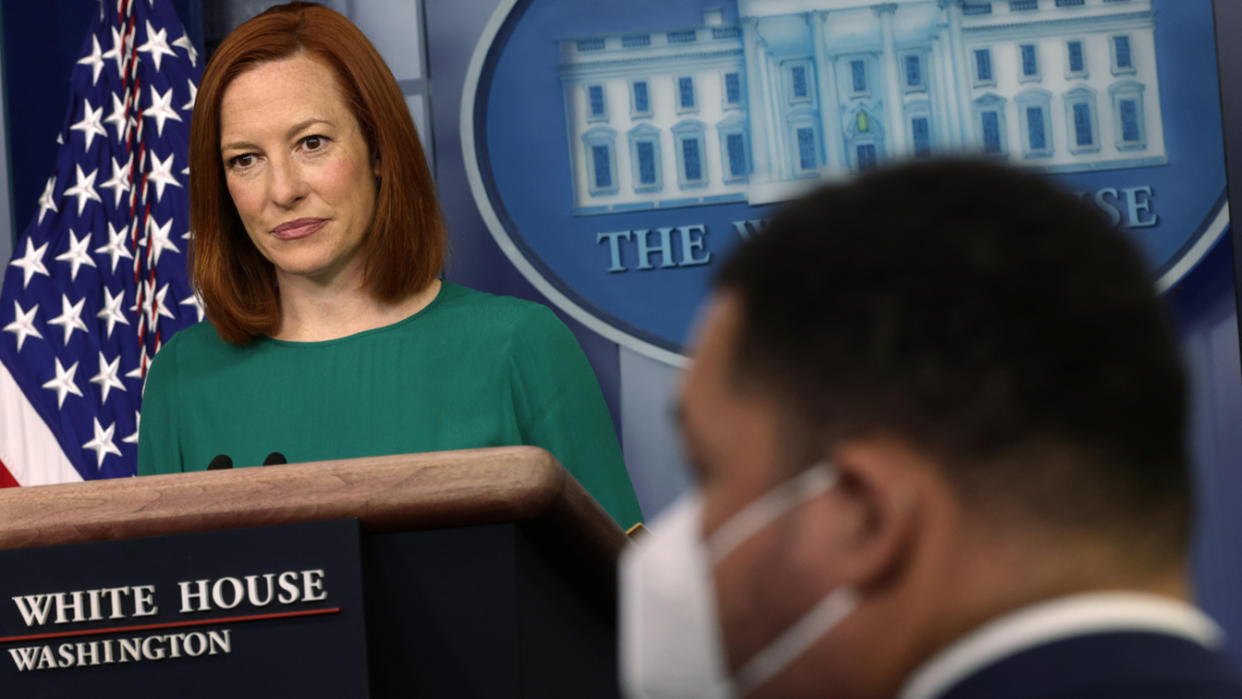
{"x":246,"y":145}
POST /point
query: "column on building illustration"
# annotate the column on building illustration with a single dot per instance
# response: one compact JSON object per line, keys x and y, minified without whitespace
{"x":948,"y":74}
{"x":893,"y":111}
{"x":829,"y":101}
{"x":961,"y":72}
{"x":760,"y":143}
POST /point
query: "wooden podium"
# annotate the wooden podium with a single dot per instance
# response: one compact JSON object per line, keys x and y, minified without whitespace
{"x":487,"y":572}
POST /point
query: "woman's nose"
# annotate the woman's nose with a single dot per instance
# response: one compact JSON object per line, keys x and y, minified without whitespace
{"x":287,"y":186}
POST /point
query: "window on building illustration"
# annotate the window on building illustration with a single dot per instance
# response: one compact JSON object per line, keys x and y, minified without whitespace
{"x":1023,"y":5}
{"x":1069,"y":3}
{"x":1030,"y":61}
{"x":1128,"y":122}
{"x":692,"y":161}
{"x":865,"y":156}
{"x":645,"y":150}
{"x":645,"y":157}
{"x":601,"y":157}
{"x":1077,"y":61}
{"x":1080,"y":106}
{"x":734,"y":151}
{"x":688,"y":142}
{"x":596,"y":107}
{"x":634,"y":41}
{"x":808,"y":158}
{"x":1084,"y":135}
{"x":1034,"y":122}
{"x":1037,"y":134}
{"x":920,"y":129}
{"x":642,"y":98}
{"x":685,"y":93}
{"x":798,"y":84}
{"x":600,"y":161}
{"x":733,"y":89}
{"x":914,"y":71}
{"x":1123,"y":58}
{"x":983,"y":66}
{"x":992,"y":144}
{"x":735,"y":146}
{"x":858,"y":76}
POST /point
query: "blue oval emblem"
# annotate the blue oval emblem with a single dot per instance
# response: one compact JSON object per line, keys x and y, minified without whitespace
{"x":618,"y":150}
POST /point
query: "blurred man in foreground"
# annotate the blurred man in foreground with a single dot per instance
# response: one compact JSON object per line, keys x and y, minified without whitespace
{"x":938,"y":420}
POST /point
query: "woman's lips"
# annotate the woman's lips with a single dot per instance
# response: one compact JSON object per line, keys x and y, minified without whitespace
{"x":298,"y":228}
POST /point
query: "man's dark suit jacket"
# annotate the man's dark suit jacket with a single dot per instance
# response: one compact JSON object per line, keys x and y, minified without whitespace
{"x":1115,"y":665}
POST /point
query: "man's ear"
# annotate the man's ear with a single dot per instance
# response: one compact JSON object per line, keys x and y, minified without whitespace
{"x":872,"y":516}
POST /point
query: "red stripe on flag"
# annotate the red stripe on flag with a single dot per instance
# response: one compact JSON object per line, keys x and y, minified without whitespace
{"x":6,"y":479}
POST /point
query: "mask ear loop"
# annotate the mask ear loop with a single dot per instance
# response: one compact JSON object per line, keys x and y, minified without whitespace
{"x":782,"y":652}
{"x":770,"y":506}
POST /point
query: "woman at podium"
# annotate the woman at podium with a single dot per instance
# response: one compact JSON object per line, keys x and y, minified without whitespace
{"x":317,"y":247}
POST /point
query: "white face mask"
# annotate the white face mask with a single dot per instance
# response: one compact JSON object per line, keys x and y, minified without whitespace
{"x":671,"y":643}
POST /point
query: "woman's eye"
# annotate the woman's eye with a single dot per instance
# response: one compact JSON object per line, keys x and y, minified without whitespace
{"x":313,"y":142}
{"x":242,"y":161}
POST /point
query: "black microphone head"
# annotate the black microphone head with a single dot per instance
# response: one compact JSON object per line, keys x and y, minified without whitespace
{"x":275,"y":458}
{"x":221,"y":461}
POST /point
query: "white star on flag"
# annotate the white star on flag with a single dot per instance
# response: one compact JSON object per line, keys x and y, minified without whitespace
{"x":102,"y":444}
{"x":111,"y":312}
{"x":161,"y":109}
{"x":107,"y":378}
{"x":63,"y":384}
{"x":70,"y":317}
{"x":161,"y":175}
{"x":95,"y":60}
{"x":117,"y":52}
{"x":119,"y":182}
{"x":118,"y":117}
{"x":159,"y":238}
{"x":77,"y":254}
{"x":47,"y":200}
{"x":196,"y":302}
{"x":118,"y":245}
{"x":157,"y":44}
{"x":91,"y":126}
{"x":84,"y":189}
{"x":193,"y":96}
{"x":133,"y":438}
{"x":23,"y":324}
{"x":185,"y":43}
{"x":32,"y":262}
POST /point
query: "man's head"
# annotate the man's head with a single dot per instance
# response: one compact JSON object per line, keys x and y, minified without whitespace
{"x":983,"y":360}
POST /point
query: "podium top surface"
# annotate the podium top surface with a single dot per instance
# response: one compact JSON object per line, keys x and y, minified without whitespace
{"x":386,"y":493}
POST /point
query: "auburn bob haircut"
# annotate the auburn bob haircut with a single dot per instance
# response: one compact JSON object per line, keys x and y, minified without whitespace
{"x":404,"y":248}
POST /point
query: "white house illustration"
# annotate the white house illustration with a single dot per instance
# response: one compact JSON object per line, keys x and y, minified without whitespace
{"x":811,"y":88}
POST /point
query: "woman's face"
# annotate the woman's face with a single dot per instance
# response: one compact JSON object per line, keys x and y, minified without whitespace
{"x":298,"y":169}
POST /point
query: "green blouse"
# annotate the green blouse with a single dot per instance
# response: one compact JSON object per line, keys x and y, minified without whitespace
{"x":469,"y":370}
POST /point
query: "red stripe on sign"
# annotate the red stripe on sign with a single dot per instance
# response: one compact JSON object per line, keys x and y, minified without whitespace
{"x":6,"y":479}
{"x":171,"y":625}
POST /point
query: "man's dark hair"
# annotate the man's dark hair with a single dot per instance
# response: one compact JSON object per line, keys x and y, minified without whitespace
{"x":984,"y":316}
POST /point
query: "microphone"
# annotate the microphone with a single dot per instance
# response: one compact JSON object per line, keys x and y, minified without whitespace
{"x":275,"y":458}
{"x":221,"y":461}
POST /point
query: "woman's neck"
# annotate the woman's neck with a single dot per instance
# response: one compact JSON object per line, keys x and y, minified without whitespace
{"x":309,"y":313}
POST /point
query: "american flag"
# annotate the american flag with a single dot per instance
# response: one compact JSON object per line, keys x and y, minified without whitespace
{"x":98,"y":278}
